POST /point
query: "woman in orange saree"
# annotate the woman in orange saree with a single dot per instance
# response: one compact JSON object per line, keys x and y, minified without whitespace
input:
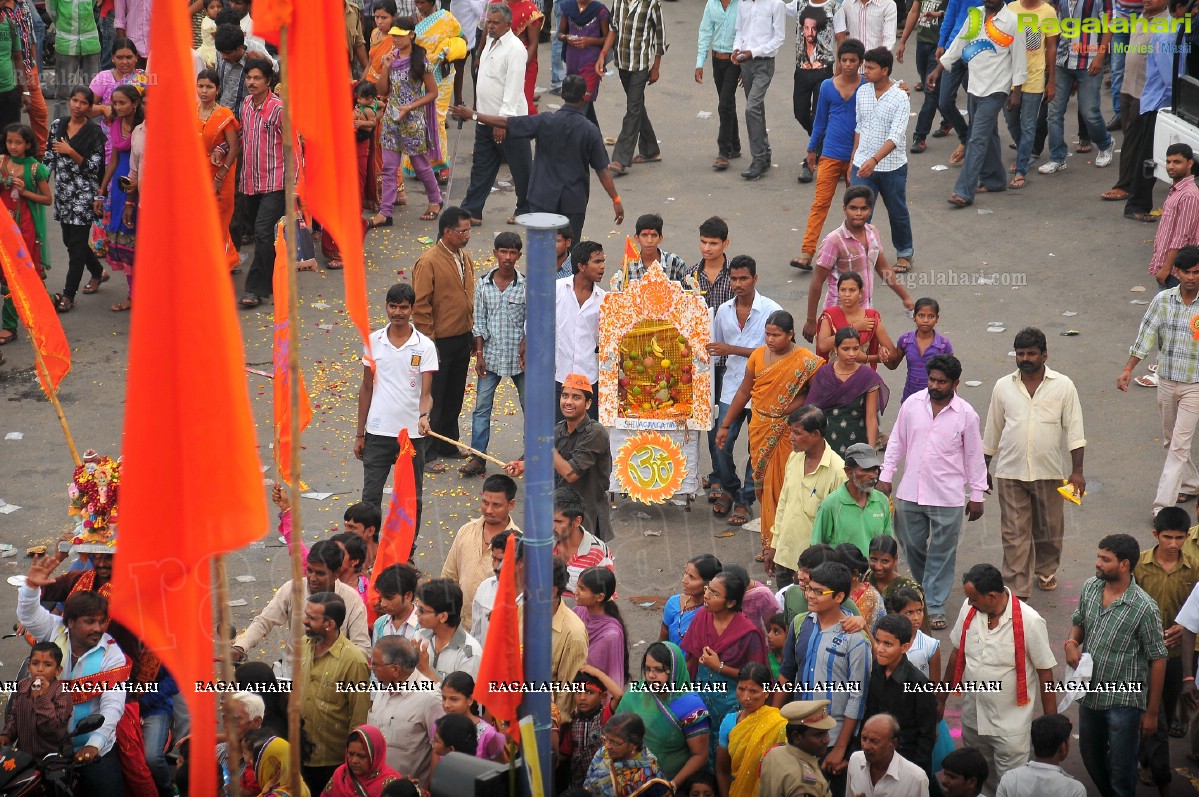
{"x":776,"y":380}
{"x":219,"y":127}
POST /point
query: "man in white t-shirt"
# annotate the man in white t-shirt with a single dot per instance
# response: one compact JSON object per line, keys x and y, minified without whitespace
{"x":395,"y":395}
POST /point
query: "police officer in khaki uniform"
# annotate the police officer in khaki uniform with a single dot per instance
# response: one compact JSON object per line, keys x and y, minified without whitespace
{"x":793,"y":769}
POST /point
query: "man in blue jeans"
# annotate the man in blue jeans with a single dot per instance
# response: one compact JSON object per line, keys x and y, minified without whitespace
{"x":738,"y":328}
{"x":947,"y":90}
{"x":880,"y":159}
{"x":1080,"y":64}
{"x":1120,"y":626}
{"x":998,"y":70}
{"x":499,"y":331}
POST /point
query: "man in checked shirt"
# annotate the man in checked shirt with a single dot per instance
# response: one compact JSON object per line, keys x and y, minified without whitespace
{"x":1172,"y":323}
{"x":499,"y":330}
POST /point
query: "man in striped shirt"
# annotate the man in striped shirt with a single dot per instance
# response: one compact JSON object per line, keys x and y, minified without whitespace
{"x":1169,"y":324}
{"x":638,"y":37}
{"x":261,"y":182}
{"x":1179,"y":224}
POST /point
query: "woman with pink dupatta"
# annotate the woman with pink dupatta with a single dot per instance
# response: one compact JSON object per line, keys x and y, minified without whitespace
{"x":365,"y":772}
{"x":719,"y":642}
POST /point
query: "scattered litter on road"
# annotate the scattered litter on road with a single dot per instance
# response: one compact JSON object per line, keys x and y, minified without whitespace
{"x":648,"y":533}
{"x":1139,"y":301}
{"x":426,"y":240}
{"x":1137,"y":289}
{"x":940,"y":167}
{"x":704,"y":115}
{"x":724,"y":535}
{"x":14,"y":436}
{"x":326,"y":327}
{"x":985,"y":211}
{"x":646,"y":605}
{"x":997,"y":329}
{"x":17,"y":581}
{"x":7,"y":509}
{"x":1069,"y":314}
{"x":1011,"y":354}
{"x":246,"y":579}
{"x":641,"y":515}
{"x":1069,"y":333}
{"x":316,"y":496}
{"x":236,"y":603}
{"x":319,"y":306}
{"x":972,"y":383}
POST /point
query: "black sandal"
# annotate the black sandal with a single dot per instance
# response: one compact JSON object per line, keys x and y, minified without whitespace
{"x":250,"y":300}
{"x":63,"y":304}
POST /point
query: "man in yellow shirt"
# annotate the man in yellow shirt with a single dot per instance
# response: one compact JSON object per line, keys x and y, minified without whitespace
{"x":813,"y":471}
{"x":469,"y":559}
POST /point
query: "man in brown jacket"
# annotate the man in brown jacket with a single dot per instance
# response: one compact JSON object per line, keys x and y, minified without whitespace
{"x":444,"y":281}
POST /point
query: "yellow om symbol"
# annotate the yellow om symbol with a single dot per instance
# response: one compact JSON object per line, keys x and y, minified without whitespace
{"x":651,"y":467}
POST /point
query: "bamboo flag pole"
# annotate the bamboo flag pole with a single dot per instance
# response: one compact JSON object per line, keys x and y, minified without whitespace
{"x":479,"y":454}
{"x":53,"y":396}
{"x":225,"y":642}
{"x":293,"y":373}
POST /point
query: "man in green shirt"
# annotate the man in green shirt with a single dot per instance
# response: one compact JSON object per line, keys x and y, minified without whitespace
{"x":76,"y":44}
{"x":855,"y":512}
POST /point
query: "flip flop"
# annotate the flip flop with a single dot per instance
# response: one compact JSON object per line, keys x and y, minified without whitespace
{"x":959,"y":202}
{"x":1147,"y":381}
{"x":902,"y":265}
{"x":616,"y":169}
{"x":93,"y":285}
{"x":1114,"y":196}
{"x":937,"y":622}
{"x":1017,"y":182}
{"x":334,"y":265}
{"x":643,"y":159}
{"x":7,"y":336}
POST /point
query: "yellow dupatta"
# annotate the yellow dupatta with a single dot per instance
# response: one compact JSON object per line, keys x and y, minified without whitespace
{"x":749,"y":740}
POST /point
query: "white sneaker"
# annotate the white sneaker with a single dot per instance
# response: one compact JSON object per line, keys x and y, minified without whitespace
{"x":1104,"y":158}
{"x":1051,"y":167}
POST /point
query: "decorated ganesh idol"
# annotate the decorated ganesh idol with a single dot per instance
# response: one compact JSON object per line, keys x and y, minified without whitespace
{"x":655,"y":385}
{"x":94,"y":492}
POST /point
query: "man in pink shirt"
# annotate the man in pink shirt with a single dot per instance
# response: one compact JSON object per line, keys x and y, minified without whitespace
{"x":937,"y":435}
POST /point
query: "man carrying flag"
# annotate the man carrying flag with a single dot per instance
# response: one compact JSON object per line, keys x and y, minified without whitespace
{"x":502,"y":661}
{"x":395,"y":395}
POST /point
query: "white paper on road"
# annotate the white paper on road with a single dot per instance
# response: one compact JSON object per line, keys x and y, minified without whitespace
{"x":14,"y":436}
{"x":316,"y":496}
{"x":7,"y":509}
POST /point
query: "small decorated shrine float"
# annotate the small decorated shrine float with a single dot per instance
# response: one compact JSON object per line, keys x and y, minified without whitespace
{"x":93,"y":491}
{"x":655,"y":386}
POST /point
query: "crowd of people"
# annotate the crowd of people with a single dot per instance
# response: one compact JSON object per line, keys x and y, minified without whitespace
{"x":818,"y":668}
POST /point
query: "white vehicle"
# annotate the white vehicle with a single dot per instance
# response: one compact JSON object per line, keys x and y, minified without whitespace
{"x":1180,"y":123}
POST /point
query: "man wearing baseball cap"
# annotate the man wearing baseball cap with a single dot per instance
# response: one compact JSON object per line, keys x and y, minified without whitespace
{"x":855,"y":512}
{"x":582,"y":455}
{"x":793,"y":769}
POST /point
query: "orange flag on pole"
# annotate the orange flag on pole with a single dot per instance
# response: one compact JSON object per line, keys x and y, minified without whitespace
{"x":631,"y":255}
{"x":501,"y":661}
{"x":34,"y":307}
{"x":282,"y":380}
{"x":189,"y":442}
{"x":399,"y":528}
{"x":316,"y":63}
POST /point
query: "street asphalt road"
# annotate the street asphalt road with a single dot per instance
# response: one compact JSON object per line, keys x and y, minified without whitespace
{"x":1051,"y":255}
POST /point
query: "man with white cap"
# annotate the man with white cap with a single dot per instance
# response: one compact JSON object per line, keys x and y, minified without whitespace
{"x":793,"y":769}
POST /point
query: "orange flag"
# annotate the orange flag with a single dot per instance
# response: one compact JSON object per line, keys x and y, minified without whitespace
{"x":317,"y":64}
{"x":631,"y":255}
{"x":501,"y":651}
{"x":189,"y":446}
{"x":34,"y":306}
{"x":282,"y":381}
{"x":399,"y":528}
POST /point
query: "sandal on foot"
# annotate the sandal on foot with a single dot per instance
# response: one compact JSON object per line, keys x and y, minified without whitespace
{"x":761,"y":557}
{"x":739,"y":515}
{"x":643,"y":159}
{"x":63,"y":304}
{"x":937,"y":622}
{"x":93,"y":285}
{"x":1114,"y":195}
{"x":803,"y":262}
{"x":437,"y":467}
{"x":443,"y":177}
{"x":250,"y":300}
{"x":716,"y":492}
{"x":722,"y":505}
{"x":1178,"y":729}
{"x":1184,"y":497}
{"x":121,"y":307}
{"x":335,"y":265}
{"x":1148,"y":380}
{"x":720,"y":164}
{"x":7,"y":336}
{"x":401,"y":198}
{"x":1047,"y":584}
{"x":431,"y":213}
{"x":959,"y":202}
{"x":1017,"y":182}
{"x":379,"y":221}
{"x":474,"y":467}
{"x":1138,"y":215}
{"x":1084,"y":148}
{"x":902,"y":265}
{"x":616,"y":169}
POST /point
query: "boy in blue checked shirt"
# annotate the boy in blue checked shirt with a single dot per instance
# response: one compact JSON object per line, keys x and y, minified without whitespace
{"x":819,"y":653}
{"x":499,"y":331}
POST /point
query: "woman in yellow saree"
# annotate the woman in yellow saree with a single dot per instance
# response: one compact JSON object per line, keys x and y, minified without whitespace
{"x":747,"y":735}
{"x":776,"y":379}
{"x":445,"y":45}
{"x":272,"y":768}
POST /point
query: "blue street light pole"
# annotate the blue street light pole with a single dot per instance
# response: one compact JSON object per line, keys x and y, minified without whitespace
{"x":540,"y":395}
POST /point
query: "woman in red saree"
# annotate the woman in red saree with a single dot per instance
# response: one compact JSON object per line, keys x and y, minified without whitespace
{"x":365,"y":772}
{"x":877,"y":346}
{"x":719,"y":642}
{"x":776,"y":379}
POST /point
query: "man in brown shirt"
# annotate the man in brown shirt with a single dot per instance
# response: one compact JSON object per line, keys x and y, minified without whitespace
{"x":444,"y":281}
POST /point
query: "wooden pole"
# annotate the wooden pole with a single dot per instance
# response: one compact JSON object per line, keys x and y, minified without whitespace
{"x":225,"y":646}
{"x":53,"y":396}
{"x":293,"y":371}
{"x":477,"y":453}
